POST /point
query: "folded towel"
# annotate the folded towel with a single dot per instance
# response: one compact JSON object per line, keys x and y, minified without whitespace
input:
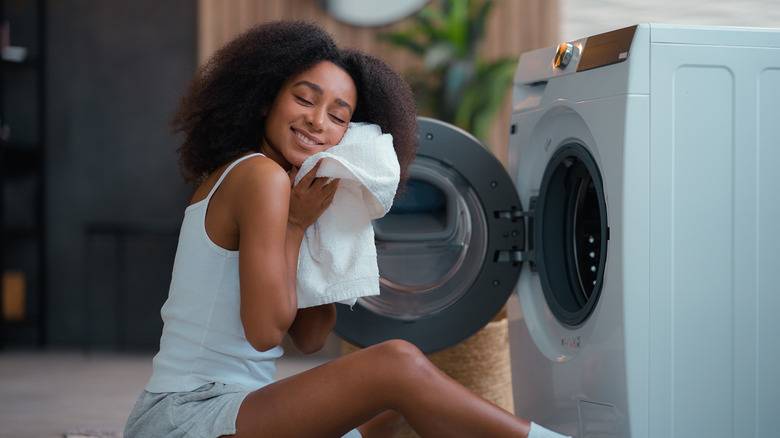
{"x":337,"y":261}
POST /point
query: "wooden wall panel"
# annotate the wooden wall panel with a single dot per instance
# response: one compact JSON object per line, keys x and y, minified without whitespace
{"x":514,"y":26}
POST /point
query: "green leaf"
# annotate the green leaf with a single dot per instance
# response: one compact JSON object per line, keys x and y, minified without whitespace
{"x":458,"y":26}
{"x":488,"y":91}
{"x":456,"y":86}
{"x":404,"y":40}
{"x":478,"y":24}
{"x":430,"y":22}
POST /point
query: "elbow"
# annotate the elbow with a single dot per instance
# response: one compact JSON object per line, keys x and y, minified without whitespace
{"x":309,"y":346}
{"x":264,"y":343}
{"x":264,"y":340}
{"x":268,"y":341}
{"x":263,"y":332}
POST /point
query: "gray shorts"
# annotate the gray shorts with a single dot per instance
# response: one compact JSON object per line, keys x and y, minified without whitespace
{"x":207,"y":412}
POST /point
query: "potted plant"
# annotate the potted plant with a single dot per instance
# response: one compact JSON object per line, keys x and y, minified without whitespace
{"x":455,"y":84}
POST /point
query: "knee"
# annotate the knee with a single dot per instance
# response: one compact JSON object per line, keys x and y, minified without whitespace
{"x":401,"y":349}
{"x":399,"y":370}
{"x":405,"y":356}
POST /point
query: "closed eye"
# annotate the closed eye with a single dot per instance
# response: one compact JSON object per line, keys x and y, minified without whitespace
{"x":303,"y":101}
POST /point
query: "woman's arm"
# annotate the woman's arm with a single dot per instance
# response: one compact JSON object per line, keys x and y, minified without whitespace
{"x":272,"y":218}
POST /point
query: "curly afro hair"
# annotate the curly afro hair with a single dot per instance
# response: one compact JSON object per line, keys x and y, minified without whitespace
{"x":221,"y":113}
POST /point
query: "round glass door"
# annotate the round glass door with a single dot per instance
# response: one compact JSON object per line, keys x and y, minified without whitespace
{"x":447,"y":251}
{"x":430,"y":246}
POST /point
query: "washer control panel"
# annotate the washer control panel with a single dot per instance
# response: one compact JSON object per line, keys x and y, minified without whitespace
{"x":606,"y":48}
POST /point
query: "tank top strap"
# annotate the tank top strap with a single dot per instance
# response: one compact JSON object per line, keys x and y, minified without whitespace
{"x":229,"y":168}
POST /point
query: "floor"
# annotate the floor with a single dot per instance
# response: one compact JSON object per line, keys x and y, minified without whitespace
{"x":43,"y":394}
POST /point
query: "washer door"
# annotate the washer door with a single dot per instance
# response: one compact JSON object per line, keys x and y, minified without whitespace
{"x":449,"y":251}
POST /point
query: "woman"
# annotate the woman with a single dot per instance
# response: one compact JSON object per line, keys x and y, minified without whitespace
{"x":268,"y":100}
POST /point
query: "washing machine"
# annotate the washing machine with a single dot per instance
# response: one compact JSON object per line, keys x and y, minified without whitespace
{"x":632,"y":236}
{"x":649,"y":157}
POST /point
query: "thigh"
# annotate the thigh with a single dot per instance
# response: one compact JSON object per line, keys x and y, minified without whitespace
{"x":329,"y":400}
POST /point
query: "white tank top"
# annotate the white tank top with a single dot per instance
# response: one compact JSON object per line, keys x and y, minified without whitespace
{"x":203,"y":340}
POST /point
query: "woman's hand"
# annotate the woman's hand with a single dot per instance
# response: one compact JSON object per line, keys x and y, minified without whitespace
{"x":310,"y":197}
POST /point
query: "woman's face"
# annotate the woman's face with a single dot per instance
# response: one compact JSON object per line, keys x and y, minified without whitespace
{"x":309,"y":114}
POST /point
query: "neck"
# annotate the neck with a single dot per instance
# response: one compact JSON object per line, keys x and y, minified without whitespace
{"x":273,"y":154}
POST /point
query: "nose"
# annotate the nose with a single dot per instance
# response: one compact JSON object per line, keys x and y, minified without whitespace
{"x":316,"y":118}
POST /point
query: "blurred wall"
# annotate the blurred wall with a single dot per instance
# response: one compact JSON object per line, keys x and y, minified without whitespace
{"x":115,"y":71}
{"x":581,"y":18}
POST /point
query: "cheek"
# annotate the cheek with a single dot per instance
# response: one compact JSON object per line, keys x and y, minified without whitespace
{"x":339,"y":134}
{"x":274,"y":126}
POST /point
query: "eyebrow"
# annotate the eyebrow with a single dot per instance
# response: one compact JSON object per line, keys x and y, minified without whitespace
{"x":317,"y":89}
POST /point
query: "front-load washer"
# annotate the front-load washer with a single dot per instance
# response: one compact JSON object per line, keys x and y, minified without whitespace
{"x":648,"y":161}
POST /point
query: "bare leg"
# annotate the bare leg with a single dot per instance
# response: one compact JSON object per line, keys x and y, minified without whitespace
{"x":388,"y":424}
{"x":333,"y":398}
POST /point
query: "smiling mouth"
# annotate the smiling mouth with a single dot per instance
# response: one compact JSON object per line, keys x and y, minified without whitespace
{"x":306,"y":139}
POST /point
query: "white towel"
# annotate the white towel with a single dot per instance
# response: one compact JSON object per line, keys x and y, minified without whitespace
{"x":337,"y":261}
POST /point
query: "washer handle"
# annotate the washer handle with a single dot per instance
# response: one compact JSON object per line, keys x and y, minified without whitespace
{"x":529,"y":233}
{"x":519,"y":255}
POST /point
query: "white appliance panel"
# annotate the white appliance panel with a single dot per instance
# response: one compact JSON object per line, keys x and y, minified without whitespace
{"x":683,"y":128}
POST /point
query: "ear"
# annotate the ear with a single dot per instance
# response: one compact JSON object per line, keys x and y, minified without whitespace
{"x":264,"y":111}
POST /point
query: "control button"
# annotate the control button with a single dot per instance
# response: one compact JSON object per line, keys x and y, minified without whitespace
{"x":563,"y":55}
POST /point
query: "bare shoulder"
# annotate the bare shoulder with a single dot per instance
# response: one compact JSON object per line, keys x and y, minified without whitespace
{"x":257,"y":180}
{"x":256,"y":172}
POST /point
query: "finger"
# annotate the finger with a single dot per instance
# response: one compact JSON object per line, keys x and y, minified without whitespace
{"x":310,"y":176}
{"x":330,"y":194}
{"x":325,"y":185}
{"x":332,"y":184}
{"x":321,"y":182}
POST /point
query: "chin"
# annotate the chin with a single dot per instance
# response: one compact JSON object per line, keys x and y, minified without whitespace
{"x":298,"y":160}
